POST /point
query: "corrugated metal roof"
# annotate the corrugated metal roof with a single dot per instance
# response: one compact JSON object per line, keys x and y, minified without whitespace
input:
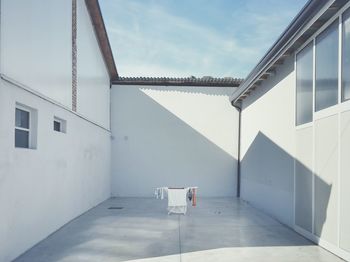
{"x":186,"y":81}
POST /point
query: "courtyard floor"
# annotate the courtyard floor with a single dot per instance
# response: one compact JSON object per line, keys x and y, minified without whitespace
{"x":218,"y":229}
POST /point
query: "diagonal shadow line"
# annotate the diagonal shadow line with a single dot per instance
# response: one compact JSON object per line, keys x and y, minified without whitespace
{"x":166,"y":149}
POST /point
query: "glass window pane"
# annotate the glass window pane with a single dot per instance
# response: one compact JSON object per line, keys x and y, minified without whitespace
{"x":21,"y":138}
{"x":304,"y":85}
{"x":22,"y":118}
{"x":326,"y":85}
{"x":57,"y":126}
{"x":346,"y":57}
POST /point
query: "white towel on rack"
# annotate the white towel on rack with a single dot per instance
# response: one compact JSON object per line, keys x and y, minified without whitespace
{"x":177,"y":200}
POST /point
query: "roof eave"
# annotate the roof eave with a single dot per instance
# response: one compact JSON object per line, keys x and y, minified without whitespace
{"x":295,"y":34}
{"x":102,"y":37}
{"x":187,"y":81}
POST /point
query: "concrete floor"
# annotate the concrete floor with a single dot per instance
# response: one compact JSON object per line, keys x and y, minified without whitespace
{"x":218,"y":229}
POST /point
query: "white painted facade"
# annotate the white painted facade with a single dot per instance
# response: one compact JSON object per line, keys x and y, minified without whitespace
{"x":36,"y":46}
{"x":93,"y":79}
{"x":44,"y":188}
{"x":267,"y":149}
{"x":298,"y":174}
{"x":66,"y":174}
{"x":275,"y":156}
{"x":173,"y":136}
{"x":127,"y":140}
{"x":36,"y":51}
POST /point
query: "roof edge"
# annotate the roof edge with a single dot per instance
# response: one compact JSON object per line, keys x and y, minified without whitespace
{"x":284,"y":44}
{"x":187,"y":81}
{"x":95,"y":13}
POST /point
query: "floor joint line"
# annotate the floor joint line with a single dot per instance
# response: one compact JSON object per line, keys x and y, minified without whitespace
{"x":180,"y":238}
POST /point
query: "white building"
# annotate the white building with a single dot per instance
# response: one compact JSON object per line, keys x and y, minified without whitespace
{"x":74,"y":133}
{"x":49,"y":177}
{"x":295,"y":135}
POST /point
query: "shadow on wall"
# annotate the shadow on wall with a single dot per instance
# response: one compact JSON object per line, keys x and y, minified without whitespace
{"x":268,"y":179}
{"x":143,"y":231}
{"x":152,"y":147}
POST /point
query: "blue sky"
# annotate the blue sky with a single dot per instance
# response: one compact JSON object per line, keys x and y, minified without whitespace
{"x":179,"y":38}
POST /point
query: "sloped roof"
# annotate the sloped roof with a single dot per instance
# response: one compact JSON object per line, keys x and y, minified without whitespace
{"x":102,"y":37}
{"x":311,"y":18}
{"x":186,"y":81}
{"x":103,"y":41}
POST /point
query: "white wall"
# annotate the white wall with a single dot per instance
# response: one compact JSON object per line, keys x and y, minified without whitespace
{"x":268,"y":140}
{"x":36,"y":39}
{"x":298,"y":174}
{"x":344,"y":181}
{"x":93,"y":79}
{"x":36,"y":45}
{"x":42,"y":189}
{"x":173,"y":136}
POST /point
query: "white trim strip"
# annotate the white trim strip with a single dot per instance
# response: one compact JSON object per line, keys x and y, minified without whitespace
{"x":313,"y":136}
{"x":340,"y":65}
{"x":33,"y":92}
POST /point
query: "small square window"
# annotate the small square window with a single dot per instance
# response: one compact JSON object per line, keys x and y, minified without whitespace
{"x":59,"y":125}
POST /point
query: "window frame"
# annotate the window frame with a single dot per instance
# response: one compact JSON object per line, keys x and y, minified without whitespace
{"x":341,"y":105}
{"x":63,"y":125}
{"x":60,"y":125}
{"x":311,"y":42}
{"x":335,"y":20}
{"x":23,"y":108}
{"x":341,"y":28}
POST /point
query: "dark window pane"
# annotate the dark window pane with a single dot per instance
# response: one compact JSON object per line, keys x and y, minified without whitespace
{"x":21,"y":138}
{"x":304,"y":85}
{"x":22,"y":118}
{"x":57,"y":126}
{"x":326,"y":85}
{"x":346,"y":57}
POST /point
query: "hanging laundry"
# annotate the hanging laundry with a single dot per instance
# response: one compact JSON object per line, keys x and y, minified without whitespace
{"x":177,"y":203}
{"x":160,"y":192}
{"x":177,"y":198}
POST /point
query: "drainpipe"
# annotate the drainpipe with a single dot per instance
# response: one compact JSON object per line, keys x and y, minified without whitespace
{"x":238,"y":149}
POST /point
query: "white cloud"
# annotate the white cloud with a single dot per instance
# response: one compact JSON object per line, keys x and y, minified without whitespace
{"x":149,"y":40}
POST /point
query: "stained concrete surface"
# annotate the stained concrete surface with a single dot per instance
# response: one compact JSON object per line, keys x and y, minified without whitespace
{"x":218,"y":229}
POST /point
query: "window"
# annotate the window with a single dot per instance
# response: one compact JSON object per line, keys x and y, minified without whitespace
{"x":304,"y":87}
{"x":59,"y":125}
{"x":25,"y":127}
{"x":22,"y":128}
{"x":346,"y":56}
{"x":326,"y":82}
